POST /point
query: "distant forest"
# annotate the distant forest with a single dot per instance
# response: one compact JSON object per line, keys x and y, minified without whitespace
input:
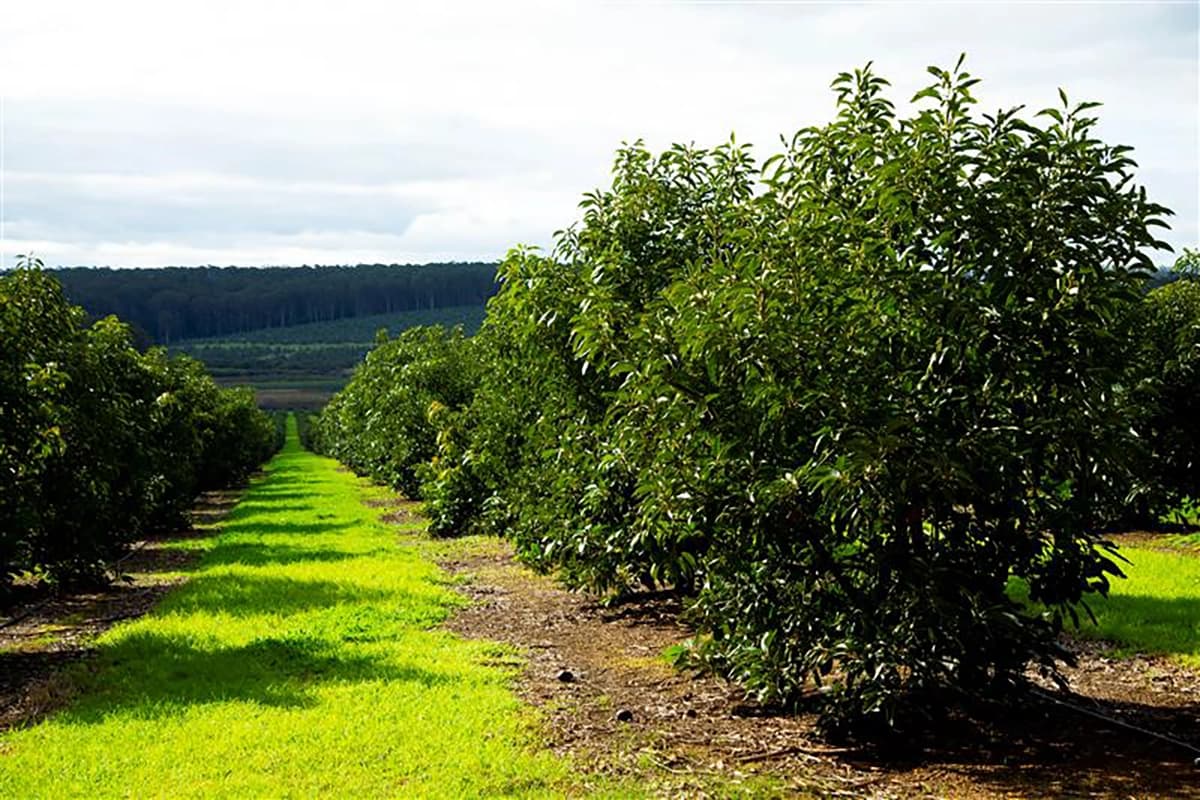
{"x":174,"y":303}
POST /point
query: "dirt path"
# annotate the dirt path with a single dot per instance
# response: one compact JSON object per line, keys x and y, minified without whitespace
{"x":623,"y":710}
{"x":1162,"y":542}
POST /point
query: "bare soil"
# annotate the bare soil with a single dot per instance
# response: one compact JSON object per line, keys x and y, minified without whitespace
{"x":397,"y":510}
{"x":45,"y":632}
{"x":1162,"y":541}
{"x":683,"y":729}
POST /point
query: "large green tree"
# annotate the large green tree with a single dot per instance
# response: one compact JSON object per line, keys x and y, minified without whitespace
{"x":1165,"y":376}
{"x":842,"y":400}
{"x":100,"y":443}
{"x":379,"y":424}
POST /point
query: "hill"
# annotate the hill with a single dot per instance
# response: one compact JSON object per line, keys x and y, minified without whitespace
{"x":293,"y":333}
{"x":300,"y":366}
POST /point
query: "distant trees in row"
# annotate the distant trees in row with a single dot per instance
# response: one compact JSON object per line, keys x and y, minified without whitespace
{"x":175,"y":303}
{"x":382,"y":424}
{"x":1165,"y":381}
{"x":101,"y":444}
{"x":840,"y":401}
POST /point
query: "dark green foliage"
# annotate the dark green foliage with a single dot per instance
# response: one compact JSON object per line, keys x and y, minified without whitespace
{"x":379,"y":425}
{"x":1166,"y":377}
{"x":240,"y":437}
{"x":840,"y":400}
{"x":100,"y":444}
{"x":174,"y":303}
{"x":279,"y":422}
{"x":307,"y":430}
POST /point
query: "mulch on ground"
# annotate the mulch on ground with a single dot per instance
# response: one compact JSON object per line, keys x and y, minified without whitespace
{"x":1161,"y":541}
{"x":397,"y":510}
{"x":682,"y":728}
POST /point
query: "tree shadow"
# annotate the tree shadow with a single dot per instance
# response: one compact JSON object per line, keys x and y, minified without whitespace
{"x":285,"y":494}
{"x":158,"y":675}
{"x":212,"y":506}
{"x":20,"y":668}
{"x":29,"y":685}
{"x":255,"y":555}
{"x":284,"y":468}
{"x":240,"y":595}
{"x":657,"y":608}
{"x":305,"y":528}
{"x":255,"y":507}
{"x":1038,"y":748}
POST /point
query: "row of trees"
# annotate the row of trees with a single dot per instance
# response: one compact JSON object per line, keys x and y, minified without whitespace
{"x":381,"y":426}
{"x":841,"y":400}
{"x":100,"y":443}
{"x":1166,"y":370}
{"x":174,"y":303}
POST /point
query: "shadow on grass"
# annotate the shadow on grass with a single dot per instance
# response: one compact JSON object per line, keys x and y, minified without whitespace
{"x":256,"y":555}
{"x":253,"y":507}
{"x":28,"y":684}
{"x":284,"y":468}
{"x":1164,"y":625}
{"x":305,"y":528}
{"x":283,"y":494}
{"x":156,"y":675}
{"x":240,"y":595}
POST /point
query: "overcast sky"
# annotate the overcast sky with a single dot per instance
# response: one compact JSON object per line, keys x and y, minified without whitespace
{"x":148,"y":134}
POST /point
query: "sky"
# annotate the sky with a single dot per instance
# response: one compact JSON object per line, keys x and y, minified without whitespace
{"x":270,"y":133}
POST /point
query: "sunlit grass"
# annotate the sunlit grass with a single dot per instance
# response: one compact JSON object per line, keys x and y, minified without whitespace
{"x":300,"y":660}
{"x":1156,"y":609}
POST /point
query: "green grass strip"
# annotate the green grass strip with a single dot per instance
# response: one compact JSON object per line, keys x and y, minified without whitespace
{"x":300,"y":660}
{"x":1156,"y":610}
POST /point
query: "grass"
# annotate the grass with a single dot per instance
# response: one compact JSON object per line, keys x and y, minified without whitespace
{"x":300,"y":660}
{"x":1156,"y":610}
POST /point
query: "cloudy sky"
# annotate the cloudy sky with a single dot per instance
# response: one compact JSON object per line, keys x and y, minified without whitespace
{"x":146,"y":134}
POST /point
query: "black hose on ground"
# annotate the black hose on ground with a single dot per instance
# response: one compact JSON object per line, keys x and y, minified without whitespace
{"x":1194,"y":750}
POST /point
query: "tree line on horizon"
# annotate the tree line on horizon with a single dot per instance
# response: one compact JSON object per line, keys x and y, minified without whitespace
{"x":170,"y":304}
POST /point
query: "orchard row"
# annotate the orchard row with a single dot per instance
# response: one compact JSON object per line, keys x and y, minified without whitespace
{"x":841,"y":400}
{"x":101,"y":444}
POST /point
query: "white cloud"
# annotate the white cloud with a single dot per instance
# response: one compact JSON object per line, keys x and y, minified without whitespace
{"x":269,"y":132}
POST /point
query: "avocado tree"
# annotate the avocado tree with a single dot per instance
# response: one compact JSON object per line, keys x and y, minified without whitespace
{"x":100,"y":443}
{"x":843,"y":401}
{"x":1165,"y":376}
{"x":901,"y":389}
{"x":379,"y":423}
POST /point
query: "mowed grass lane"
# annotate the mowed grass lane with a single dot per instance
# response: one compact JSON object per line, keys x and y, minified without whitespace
{"x":1156,"y":609}
{"x":300,"y":660}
